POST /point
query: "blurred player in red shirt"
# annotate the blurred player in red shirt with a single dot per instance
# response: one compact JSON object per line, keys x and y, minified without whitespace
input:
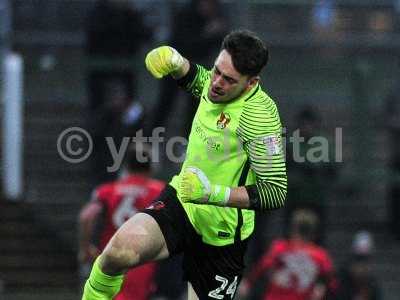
{"x":111,"y":205}
{"x":296,"y":267}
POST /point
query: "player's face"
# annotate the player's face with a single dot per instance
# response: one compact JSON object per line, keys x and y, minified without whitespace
{"x":227,"y":83}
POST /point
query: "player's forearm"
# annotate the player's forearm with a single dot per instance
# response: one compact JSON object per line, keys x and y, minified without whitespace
{"x":265,"y":195}
{"x":318,"y":292}
{"x":87,"y":251}
{"x":238,"y":198}
{"x":85,"y":232}
{"x":250,"y":197}
{"x":87,"y":219}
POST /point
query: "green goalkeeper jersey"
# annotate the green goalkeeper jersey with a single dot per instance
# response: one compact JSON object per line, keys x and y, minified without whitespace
{"x":235,"y":144}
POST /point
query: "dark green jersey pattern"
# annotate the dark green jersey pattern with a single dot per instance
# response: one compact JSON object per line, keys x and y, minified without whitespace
{"x":235,"y":144}
{"x":260,"y":129}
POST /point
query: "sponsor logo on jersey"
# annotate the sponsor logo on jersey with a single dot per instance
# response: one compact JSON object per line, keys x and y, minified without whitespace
{"x":209,"y":141}
{"x":223,"y":120}
{"x":223,"y":234}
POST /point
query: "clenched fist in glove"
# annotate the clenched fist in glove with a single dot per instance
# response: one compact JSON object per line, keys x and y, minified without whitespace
{"x":196,"y":188}
{"x":163,"y":60}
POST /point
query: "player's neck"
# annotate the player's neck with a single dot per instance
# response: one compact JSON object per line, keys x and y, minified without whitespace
{"x":297,"y":238}
{"x":143,"y":174}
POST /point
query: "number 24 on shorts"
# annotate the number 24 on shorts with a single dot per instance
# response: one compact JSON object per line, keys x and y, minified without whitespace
{"x":218,"y":292}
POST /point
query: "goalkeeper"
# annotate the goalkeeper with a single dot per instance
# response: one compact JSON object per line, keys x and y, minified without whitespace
{"x":234,"y":166}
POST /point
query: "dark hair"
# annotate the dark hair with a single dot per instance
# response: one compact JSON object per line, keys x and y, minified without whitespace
{"x":138,"y":158}
{"x":305,"y":223}
{"x":249,"y":53}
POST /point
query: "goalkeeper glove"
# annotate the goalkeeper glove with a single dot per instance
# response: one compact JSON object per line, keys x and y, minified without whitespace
{"x":163,"y":61}
{"x":196,"y":188}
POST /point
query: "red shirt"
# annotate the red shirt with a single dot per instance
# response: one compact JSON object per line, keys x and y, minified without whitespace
{"x":295,"y":268}
{"x":121,"y":199}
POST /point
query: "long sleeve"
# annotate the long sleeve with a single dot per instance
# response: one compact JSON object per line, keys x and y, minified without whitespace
{"x":195,"y":80}
{"x":260,"y":130}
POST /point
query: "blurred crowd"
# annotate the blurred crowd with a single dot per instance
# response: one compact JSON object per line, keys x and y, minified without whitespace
{"x":294,"y":264}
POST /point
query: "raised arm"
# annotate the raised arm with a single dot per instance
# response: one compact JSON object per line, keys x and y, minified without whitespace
{"x":165,"y":60}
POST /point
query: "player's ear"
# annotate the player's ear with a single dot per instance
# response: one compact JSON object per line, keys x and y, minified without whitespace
{"x":253,"y":81}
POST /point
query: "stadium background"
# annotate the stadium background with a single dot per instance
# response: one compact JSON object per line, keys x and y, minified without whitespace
{"x":345,"y":73}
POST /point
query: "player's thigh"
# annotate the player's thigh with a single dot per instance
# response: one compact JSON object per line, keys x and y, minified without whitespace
{"x":137,"y":241}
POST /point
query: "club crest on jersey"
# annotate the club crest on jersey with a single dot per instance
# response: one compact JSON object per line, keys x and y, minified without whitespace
{"x":223,"y":120}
